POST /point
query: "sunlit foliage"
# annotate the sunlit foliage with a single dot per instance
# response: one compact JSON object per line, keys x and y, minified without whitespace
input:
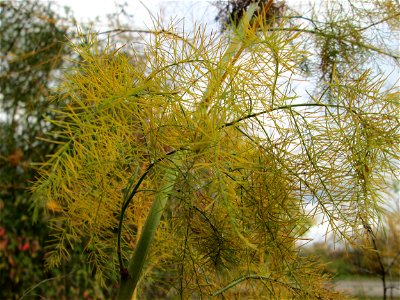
{"x":207,"y":134}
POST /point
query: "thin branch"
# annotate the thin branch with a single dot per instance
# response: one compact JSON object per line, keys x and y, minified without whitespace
{"x":29,"y":290}
{"x":155,"y":32}
{"x":331,"y":35}
{"x":373,"y":238}
{"x":380,"y":21}
{"x":252,"y":276}
{"x":311,"y":31}
{"x":393,"y":262}
{"x":278,"y":108}
{"x":128,"y":200}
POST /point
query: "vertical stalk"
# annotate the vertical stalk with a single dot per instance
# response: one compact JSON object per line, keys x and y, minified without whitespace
{"x":130,"y":280}
{"x":136,"y":263}
{"x":233,"y":52}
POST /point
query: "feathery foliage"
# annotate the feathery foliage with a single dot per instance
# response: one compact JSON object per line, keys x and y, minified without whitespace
{"x":207,"y":134}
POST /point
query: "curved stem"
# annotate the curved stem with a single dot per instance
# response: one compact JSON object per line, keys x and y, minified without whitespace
{"x":130,"y":280}
{"x":282,"y":107}
{"x":126,"y":203}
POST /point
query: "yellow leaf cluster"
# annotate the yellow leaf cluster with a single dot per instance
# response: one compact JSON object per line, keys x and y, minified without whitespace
{"x":251,"y":156}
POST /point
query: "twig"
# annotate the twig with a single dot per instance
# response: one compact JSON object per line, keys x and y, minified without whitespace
{"x":128,"y":200}
{"x":252,"y":276}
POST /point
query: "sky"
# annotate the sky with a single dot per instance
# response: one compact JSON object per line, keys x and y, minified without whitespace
{"x":85,"y":10}
{"x":189,"y":11}
{"x":203,"y":11}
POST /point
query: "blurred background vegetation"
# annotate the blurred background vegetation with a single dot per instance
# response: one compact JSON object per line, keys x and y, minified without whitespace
{"x":34,"y":52}
{"x":375,"y":257}
{"x":368,"y":258}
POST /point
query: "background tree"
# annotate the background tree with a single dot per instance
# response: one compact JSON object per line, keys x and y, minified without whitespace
{"x":205,"y":141}
{"x":380,"y":250}
{"x":375,"y":255}
{"x":34,"y":52}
